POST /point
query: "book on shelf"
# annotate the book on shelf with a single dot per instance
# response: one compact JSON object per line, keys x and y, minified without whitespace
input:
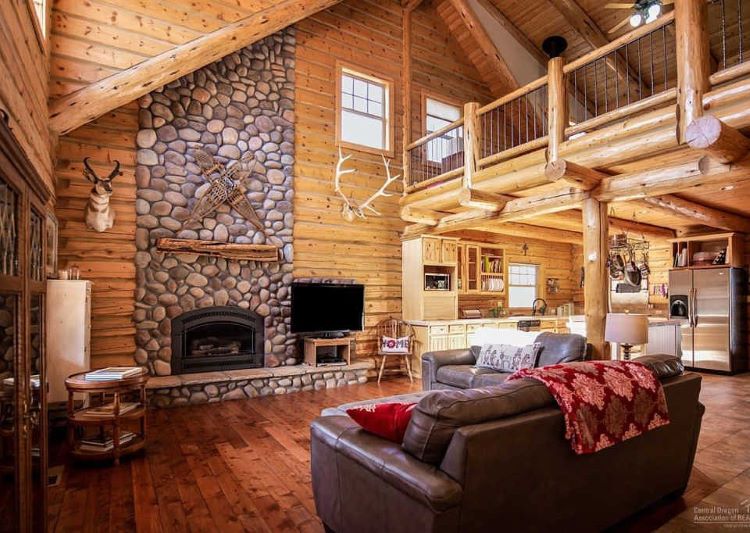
{"x":33,"y":380}
{"x":112,"y":373}
{"x":104,"y":443}
{"x":108,"y":409}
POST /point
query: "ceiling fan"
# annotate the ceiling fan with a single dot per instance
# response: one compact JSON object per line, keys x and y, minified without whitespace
{"x":642,"y":11}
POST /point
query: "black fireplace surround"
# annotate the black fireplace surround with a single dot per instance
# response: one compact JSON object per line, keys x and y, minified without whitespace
{"x":217,"y":338}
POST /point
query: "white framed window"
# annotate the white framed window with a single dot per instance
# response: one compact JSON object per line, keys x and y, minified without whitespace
{"x":364,"y":111}
{"x":523,"y":284}
{"x":437,"y":115}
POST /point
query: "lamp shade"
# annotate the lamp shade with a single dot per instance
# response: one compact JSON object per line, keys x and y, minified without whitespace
{"x":624,"y":328}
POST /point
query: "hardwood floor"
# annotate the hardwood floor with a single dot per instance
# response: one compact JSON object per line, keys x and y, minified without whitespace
{"x":244,"y":466}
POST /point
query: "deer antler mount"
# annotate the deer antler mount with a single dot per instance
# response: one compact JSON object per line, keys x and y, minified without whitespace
{"x":351,"y":209}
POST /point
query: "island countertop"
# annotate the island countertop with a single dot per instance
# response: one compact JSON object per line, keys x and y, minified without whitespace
{"x":499,"y":320}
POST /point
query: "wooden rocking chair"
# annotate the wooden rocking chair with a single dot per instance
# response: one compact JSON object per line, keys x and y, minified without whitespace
{"x":395,"y":328}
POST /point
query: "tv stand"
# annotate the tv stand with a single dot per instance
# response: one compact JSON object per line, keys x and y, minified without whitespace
{"x":321,"y":351}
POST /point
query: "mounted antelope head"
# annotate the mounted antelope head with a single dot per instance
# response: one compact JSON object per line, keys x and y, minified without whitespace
{"x":99,"y":216}
{"x":351,"y":208}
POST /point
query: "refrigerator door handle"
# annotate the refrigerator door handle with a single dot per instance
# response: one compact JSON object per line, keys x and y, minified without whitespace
{"x":695,"y":307}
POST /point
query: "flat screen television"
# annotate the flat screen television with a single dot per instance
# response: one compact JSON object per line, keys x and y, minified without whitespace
{"x":327,"y":307}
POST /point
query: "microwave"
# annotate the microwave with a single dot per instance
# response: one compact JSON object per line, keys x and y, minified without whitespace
{"x":437,"y":282}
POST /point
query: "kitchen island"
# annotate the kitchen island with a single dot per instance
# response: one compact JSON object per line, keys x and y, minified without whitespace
{"x":437,"y":335}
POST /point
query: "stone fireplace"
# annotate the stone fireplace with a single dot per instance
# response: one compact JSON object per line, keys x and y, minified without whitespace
{"x":238,"y":109}
{"x":217,"y":338}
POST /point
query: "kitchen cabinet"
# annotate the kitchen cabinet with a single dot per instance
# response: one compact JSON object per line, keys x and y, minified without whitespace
{"x":429,"y":280}
{"x":431,"y":250}
{"x":473,"y":268}
{"x":448,"y":251}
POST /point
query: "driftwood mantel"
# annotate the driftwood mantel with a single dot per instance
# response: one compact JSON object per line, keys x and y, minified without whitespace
{"x":238,"y":252}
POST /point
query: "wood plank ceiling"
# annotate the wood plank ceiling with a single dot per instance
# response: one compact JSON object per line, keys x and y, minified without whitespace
{"x":94,"y":39}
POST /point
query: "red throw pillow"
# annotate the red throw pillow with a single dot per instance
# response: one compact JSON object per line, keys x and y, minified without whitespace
{"x":387,"y":420}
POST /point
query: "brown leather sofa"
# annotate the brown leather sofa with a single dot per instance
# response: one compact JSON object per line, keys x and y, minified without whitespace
{"x":496,"y":459}
{"x":454,"y":369}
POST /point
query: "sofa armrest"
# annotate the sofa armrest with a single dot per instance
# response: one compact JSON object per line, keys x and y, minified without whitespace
{"x":432,"y":361}
{"x":333,"y":437}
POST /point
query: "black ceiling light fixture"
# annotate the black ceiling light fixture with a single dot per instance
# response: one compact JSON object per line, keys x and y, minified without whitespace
{"x":554,"y":46}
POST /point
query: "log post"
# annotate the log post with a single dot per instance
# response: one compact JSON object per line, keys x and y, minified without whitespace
{"x":557,"y":107}
{"x":595,"y":290}
{"x":472,"y":145}
{"x":693,"y":61}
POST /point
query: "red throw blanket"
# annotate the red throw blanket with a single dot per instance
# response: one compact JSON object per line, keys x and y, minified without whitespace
{"x":604,"y":402}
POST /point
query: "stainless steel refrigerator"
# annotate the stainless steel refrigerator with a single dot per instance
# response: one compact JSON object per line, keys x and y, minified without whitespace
{"x":710,"y":305}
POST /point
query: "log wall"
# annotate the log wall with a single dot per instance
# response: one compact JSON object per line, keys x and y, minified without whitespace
{"x":23,"y":85}
{"x":107,"y":259}
{"x":365,"y":33}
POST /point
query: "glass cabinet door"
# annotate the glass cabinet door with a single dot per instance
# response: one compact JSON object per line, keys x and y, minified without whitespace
{"x":8,"y":427}
{"x":37,"y":414}
{"x":472,"y":268}
{"x":10,"y":292}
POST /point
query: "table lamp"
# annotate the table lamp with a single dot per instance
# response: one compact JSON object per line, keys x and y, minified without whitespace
{"x":626,"y":330}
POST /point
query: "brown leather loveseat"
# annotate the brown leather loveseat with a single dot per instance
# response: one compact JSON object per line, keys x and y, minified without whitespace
{"x":496,"y":459}
{"x":454,"y":369}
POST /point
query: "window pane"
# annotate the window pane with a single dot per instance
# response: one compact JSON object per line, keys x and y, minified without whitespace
{"x":447,"y":112}
{"x":376,"y":93}
{"x":360,"y":104}
{"x":347,"y":101}
{"x":360,"y":88}
{"x":434,"y":123}
{"x":347,"y":84}
{"x":40,"y":10}
{"x":374,"y":108}
{"x":521,"y":296}
{"x":359,"y":129}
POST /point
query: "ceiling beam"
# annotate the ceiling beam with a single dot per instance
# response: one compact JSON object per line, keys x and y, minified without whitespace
{"x":89,"y":103}
{"x":720,"y":141}
{"x":505,"y":81}
{"x":572,"y":221}
{"x":410,"y":5}
{"x":515,"y":210}
{"x":700,"y":171}
{"x":525,"y":231}
{"x":698,"y":213}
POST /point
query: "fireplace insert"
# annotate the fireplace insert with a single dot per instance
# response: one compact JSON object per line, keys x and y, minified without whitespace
{"x":216,"y":338}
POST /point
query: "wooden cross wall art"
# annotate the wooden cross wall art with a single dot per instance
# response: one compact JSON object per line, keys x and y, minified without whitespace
{"x":225,"y":187}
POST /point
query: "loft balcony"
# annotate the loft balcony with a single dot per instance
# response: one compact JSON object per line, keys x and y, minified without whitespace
{"x":655,"y":112}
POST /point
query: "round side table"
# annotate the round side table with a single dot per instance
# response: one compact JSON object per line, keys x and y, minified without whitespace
{"x":107,"y":414}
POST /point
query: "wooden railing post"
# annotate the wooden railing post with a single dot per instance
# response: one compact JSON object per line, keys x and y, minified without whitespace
{"x":472,"y":146}
{"x":595,"y":288}
{"x":557,"y":107}
{"x":693,"y":61}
